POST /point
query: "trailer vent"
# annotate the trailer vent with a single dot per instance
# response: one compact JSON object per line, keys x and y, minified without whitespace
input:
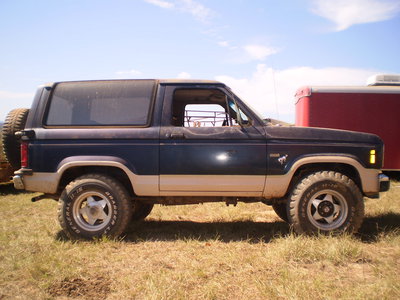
{"x":384,"y":79}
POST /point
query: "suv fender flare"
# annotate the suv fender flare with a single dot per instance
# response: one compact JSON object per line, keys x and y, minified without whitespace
{"x":141,"y":184}
{"x":276,"y":186}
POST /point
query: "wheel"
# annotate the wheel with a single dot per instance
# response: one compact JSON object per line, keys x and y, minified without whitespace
{"x":281,"y":210}
{"x":15,"y":121}
{"x":326,"y":202}
{"x":94,"y":205}
{"x":141,"y":210}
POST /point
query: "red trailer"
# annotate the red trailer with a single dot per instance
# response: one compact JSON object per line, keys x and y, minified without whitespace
{"x":374,"y":109}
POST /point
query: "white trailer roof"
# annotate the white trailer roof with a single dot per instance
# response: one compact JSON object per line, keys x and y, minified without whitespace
{"x":356,"y":89}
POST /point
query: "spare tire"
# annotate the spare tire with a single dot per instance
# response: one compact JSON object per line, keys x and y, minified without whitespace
{"x":15,"y":121}
{"x":2,"y":157}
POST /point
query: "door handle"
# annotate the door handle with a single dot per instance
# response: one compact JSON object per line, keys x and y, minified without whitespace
{"x":177,"y":136}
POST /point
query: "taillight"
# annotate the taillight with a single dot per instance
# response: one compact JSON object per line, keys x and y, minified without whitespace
{"x":24,"y":154}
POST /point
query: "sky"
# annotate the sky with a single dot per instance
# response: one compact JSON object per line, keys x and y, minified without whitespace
{"x":263,"y":49}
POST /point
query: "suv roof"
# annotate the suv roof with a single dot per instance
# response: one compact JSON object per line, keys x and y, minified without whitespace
{"x":161,"y":81}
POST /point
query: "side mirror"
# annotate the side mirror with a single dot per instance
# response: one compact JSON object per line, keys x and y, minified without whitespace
{"x":244,"y":123}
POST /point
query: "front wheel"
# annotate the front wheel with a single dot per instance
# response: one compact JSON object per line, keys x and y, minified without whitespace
{"x":326,"y":202}
{"x":94,"y":205}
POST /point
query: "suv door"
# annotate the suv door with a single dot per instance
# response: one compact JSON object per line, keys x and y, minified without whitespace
{"x":206,"y":146}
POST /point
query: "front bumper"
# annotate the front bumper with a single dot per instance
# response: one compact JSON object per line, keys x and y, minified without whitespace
{"x":384,"y":183}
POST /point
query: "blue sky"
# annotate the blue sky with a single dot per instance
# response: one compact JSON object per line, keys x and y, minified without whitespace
{"x":263,"y":49}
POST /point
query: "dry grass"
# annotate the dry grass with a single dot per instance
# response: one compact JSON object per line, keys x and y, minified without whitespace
{"x":198,"y":252}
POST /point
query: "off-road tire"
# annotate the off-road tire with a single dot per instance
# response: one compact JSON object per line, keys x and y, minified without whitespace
{"x":326,"y":202}
{"x":141,"y":210}
{"x":281,"y":210}
{"x":102,"y":198}
{"x":15,"y":121}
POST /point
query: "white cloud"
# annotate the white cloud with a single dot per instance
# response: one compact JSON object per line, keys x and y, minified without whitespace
{"x":226,"y":44}
{"x":259,"y":52}
{"x":345,"y":13}
{"x":223,"y":43}
{"x":160,"y":3}
{"x":248,"y":53}
{"x":271,"y":92}
{"x":184,"y":75}
{"x":11,"y":100}
{"x":5,"y":95}
{"x":194,"y":8}
{"x":128,"y":73}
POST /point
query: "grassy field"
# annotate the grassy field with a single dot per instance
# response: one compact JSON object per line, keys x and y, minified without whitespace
{"x":208,"y":251}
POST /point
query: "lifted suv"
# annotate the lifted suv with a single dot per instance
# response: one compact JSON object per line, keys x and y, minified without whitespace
{"x":110,"y":150}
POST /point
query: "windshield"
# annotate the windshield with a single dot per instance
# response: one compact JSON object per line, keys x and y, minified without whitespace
{"x":258,"y":115}
{"x":266,"y":121}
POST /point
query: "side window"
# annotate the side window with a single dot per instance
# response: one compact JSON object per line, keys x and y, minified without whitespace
{"x":204,"y":108}
{"x":205,"y":115}
{"x":60,"y":111}
{"x":101,"y":103}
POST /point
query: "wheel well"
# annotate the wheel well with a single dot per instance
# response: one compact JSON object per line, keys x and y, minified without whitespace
{"x":74,"y":172}
{"x":344,"y":169}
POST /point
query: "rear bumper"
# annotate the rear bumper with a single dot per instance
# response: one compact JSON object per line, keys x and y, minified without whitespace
{"x":384,"y":183}
{"x":18,"y":178}
{"x":18,"y":182}
{"x":25,"y":179}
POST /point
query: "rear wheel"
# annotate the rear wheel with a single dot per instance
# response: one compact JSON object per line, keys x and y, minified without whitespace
{"x":326,"y":202}
{"x":94,"y":205}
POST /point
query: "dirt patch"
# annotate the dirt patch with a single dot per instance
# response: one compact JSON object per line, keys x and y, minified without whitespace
{"x":90,"y":288}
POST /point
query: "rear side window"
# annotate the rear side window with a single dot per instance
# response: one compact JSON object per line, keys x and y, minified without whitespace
{"x":101,"y":103}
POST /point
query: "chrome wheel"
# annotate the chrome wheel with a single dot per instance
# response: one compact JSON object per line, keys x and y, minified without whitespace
{"x":92,"y":211}
{"x":327,"y":210}
{"x":94,"y":205}
{"x":326,"y":202}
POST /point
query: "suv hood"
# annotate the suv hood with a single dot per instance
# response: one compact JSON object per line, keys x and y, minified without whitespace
{"x":320,"y":134}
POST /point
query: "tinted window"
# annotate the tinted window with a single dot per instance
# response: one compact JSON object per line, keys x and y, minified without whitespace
{"x":107,"y":103}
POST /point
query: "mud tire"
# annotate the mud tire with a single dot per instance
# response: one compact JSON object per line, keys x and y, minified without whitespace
{"x":93,"y":206}
{"x":326,"y":202}
{"x":15,"y":121}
